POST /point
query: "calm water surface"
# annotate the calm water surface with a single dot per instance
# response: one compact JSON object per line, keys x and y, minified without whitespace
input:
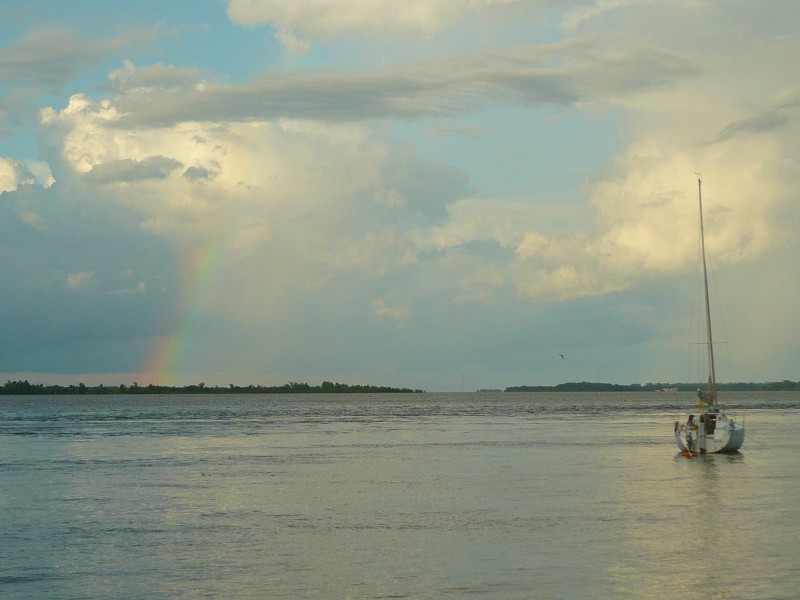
{"x":393,"y":496}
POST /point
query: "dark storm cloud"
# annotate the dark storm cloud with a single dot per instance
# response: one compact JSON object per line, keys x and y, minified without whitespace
{"x":562,"y":74}
{"x":50,"y":56}
{"x":130,"y":170}
{"x":758,"y":124}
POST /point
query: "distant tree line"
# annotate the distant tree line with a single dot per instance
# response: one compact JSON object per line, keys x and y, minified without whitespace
{"x":586,"y":386}
{"x":24,"y":388}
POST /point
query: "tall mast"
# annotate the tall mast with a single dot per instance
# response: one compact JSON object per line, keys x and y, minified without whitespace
{"x":712,"y":377}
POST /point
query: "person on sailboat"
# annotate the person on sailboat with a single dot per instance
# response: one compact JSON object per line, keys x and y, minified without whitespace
{"x":701,"y":434}
{"x":691,"y":433}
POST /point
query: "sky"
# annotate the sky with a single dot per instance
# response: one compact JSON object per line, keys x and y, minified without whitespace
{"x":437,"y":194}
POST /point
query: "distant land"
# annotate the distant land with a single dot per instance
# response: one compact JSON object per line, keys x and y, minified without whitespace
{"x":25,"y":388}
{"x":586,"y":386}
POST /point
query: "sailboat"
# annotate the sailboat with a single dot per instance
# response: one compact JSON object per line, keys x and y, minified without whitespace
{"x":710,"y":430}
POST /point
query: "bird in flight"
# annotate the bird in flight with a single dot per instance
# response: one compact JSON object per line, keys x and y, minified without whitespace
{"x":561,"y":355}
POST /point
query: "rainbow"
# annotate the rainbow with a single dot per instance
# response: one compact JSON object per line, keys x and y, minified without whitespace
{"x":169,"y":353}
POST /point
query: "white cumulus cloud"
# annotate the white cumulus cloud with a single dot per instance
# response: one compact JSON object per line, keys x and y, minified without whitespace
{"x":13,"y":173}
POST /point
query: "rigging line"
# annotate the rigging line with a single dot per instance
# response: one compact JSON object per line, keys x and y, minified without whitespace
{"x":720,"y":325}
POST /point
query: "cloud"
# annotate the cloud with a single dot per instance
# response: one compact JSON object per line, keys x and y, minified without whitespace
{"x":34,"y":220}
{"x":13,"y":173}
{"x":139,"y":288}
{"x":291,"y":42}
{"x":381,"y":310}
{"x":67,"y":255}
{"x":129,"y":170}
{"x":591,"y":10}
{"x":15,"y":111}
{"x":241,"y":182}
{"x":333,"y":206}
{"x":50,"y":56}
{"x":706,"y":119}
{"x":326,"y":19}
{"x":45,"y":59}
{"x":158,"y":76}
{"x":274,"y":172}
{"x":646,"y":220}
{"x":470,"y":131}
{"x":584,"y":70}
{"x":78,"y":280}
{"x":198,"y":173}
{"x":762,"y":123}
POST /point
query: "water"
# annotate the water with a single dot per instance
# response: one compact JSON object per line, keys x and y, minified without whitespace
{"x":395,"y":496}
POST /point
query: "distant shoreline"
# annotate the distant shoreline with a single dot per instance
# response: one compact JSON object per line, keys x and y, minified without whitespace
{"x":586,"y":386}
{"x":25,"y":388}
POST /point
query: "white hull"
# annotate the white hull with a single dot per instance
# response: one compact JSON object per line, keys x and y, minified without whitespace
{"x":727,"y":438}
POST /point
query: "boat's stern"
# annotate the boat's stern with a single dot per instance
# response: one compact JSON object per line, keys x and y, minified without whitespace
{"x":727,"y":437}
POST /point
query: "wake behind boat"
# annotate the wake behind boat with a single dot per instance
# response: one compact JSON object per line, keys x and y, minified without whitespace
{"x":711,"y":430}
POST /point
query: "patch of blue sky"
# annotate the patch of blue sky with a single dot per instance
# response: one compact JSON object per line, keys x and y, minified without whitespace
{"x":515,"y":151}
